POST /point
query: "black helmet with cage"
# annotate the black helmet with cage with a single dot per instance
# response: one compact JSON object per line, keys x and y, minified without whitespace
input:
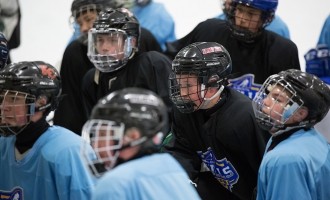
{"x":209,"y":61}
{"x":115,"y":25}
{"x":113,"y":116}
{"x":267,"y":8}
{"x":30,"y":80}
{"x":80,"y":6}
{"x":303,"y":90}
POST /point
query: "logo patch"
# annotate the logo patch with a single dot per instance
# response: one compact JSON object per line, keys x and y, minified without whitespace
{"x":15,"y":194}
{"x":48,"y":72}
{"x":222,"y":169}
{"x":245,"y":84}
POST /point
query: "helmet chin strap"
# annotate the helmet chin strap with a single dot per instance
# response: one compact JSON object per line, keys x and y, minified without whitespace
{"x":207,"y":101}
{"x":287,"y":128}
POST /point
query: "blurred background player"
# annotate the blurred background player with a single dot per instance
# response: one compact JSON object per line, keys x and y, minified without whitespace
{"x":10,"y":23}
{"x":325,"y":33}
{"x":288,"y":105}
{"x":152,"y":15}
{"x":125,"y":130}
{"x":75,"y":63}
{"x":318,"y":63}
{"x":255,"y":52}
{"x":3,"y":51}
{"x":214,"y":134}
{"x":37,"y":161}
{"x":277,"y":25}
{"x":114,"y":49}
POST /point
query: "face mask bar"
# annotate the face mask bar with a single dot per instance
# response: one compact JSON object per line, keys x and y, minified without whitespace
{"x":106,"y":138}
{"x":282,"y":103}
{"x":16,"y":110}
{"x":249,"y":32}
{"x":180,"y":91}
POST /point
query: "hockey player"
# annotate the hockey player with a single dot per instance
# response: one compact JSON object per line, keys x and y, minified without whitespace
{"x":75,"y":63}
{"x":214,"y":134}
{"x":277,"y":25}
{"x":256,"y":53}
{"x":318,"y":63}
{"x":125,"y":130}
{"x":37,"y":161}
{"x":113,"y":48}
{"x":296,"y":164}
{"x":152,"y":15}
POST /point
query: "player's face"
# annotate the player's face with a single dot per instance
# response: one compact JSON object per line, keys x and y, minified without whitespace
{"x":226,"y":4}
{"x":275,"y":102}
{"x":248,"y":18}
{"x":86,"y":20}
{"x":189,"y":88}
{"x":13,"y":108}
{"x":111,"y":44}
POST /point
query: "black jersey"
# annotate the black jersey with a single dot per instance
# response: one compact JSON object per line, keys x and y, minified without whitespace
{"x":252,"y":62}
{"x":149,"y":70}
{"x":75,"y":63}
{"x":221,"y":148}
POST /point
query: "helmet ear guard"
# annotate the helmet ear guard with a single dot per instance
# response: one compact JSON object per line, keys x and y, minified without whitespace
{"x":214,"y":81}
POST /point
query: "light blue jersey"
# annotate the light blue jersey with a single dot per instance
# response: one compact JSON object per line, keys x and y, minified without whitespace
{"x":157,"y":20}
{"x":277,"y":25}
{"x":52,"y":169}
{"x":158,"y":176}
{"x":298,"y":168}
{"x":325,"y":33}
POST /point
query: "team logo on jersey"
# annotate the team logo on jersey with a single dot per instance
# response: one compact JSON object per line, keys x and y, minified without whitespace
{"x":15,"y":194}
{"x":222,"y":169}
{"x":245,"y":84}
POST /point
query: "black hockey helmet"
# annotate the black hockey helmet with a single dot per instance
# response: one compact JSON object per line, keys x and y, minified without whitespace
{"x":135,"y":107}
{"x":32,"y":80}
{"x":306,"y":90}
{"x":35,"y":78}
{"x":118,"y":112}
{"x":267,"y":7}
{"x":209,"y":61}
{"x":114,"y":22}
{"x":79,"y":6}
{"x":3,"y":50}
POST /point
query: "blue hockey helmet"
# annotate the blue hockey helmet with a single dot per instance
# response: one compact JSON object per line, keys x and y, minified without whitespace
{"x":267,"y":8}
